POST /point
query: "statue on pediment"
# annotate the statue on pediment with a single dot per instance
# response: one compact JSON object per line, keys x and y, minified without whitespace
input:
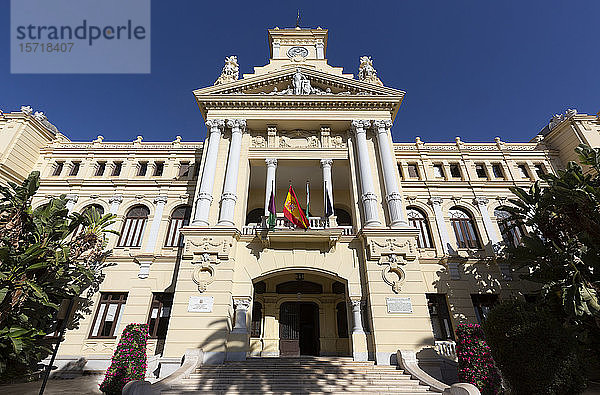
{"x":366,"y":71}
{"x":230,"y":72}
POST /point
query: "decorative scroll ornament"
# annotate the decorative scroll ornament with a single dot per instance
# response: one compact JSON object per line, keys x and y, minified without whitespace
{"x":203,"y":274}
{"x":392,"y":274}
{"x":366,"y":71}
{"x":230,"y":72}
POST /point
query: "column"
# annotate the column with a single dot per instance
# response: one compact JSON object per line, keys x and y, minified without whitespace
{"x":357,"y":316}
{"x":160,"y":203}
{"x":241,"y":308}
{"x":327,"y":183}
{"x":368,"y":197}
{"x":115,"y":202}
{"x":71,"y":200}
{"x":229,"y":197}
{"x":204,"y":198}
{"x":436,"y":202}
{"x":271,"y":167}
{"x":487,"y":222}
{"x":388,"y":163}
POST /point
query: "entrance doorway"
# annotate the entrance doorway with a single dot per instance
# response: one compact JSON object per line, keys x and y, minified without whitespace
{"x":298,"y":329}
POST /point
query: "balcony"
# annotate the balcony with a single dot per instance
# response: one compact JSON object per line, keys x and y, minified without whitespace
{"x":320,"y":229}
{"x":283,"y":224}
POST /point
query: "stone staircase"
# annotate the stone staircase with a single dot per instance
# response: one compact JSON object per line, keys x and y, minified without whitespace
{"x":302,"y":375}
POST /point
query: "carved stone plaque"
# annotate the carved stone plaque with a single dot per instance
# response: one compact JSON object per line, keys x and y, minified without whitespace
{"x":398,"y":305}
{"x":201,"y":304}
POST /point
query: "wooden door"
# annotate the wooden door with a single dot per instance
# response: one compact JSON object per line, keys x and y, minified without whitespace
{"x":289,"y":339}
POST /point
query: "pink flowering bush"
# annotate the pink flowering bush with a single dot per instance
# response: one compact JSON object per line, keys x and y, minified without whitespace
{"x":128,"y":361}
{"x":475,"y":362}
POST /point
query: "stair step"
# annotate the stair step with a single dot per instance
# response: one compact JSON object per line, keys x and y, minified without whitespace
{"x":298,"y":376}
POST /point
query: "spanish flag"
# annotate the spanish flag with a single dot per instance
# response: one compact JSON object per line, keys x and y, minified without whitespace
{"x":292,"y":210}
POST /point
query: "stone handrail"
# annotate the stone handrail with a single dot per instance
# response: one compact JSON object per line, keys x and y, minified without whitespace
{"x":407,"y":360}
{"x":191,"y":361}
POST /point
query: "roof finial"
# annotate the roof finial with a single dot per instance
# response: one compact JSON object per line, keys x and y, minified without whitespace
{"x":298,"y":20}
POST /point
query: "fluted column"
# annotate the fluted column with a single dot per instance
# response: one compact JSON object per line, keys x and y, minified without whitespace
{"x":229,"y":197}
{"x":271,"y":167}
{"x":241,"y":308}
{"x":487,"y":222}
{"x":204,"y":198}
{"x":328,"y":185}
{"x":436,"y":202}
{"x":368,"y":197}
{"x":388,"y":163}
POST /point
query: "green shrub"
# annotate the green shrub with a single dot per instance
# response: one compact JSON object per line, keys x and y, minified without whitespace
{"x":128,"y":361}
{"x":535,"y":353}
{"x":475,"y":362}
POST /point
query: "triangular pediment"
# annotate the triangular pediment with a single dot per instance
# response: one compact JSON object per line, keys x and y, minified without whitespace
{"x":285,"y":82}
{"x":297,"y":87}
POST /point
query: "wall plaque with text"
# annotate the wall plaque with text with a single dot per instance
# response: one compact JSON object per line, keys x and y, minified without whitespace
{"x":399,"y":305}
{"x":201,"y":304}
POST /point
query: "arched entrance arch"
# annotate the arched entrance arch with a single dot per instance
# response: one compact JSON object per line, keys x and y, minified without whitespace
{"x":299,"y":314}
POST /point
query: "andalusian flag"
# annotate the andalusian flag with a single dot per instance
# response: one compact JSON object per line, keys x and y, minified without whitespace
{"x":292,"y":210}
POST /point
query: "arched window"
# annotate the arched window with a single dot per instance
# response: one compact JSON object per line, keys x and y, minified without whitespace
{"x":418,"y":219}
{"x":464,"y":228}
{"x":510,"y":231}
{"x":179,"y":218}
{"x":255,"y":216}
{"x":255,"y":326}
{"x":343,"y":217}
{"x":133,"y":228}
{"x":88,"y":209}
{"x":342,"y":320}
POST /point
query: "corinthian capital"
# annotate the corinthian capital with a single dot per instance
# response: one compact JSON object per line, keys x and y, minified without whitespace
{"x":214,"y":124}
{"x":481,"y":201}
{"x":239,"y":124}
{"x":360,"y":125}
{"x":382,"y":126}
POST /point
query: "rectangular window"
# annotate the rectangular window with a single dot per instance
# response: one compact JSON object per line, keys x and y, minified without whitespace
{"x":108,"y":315}
{"x":523,"y":171}
{"x":480,"y":170}
{"x":159,"y":167}
{"x":440,"y":317}
{"x":100,"y":169}
{"x":160,"y":312}
{"x":483,"y":303}
{"x":497,"y":170}
{"x":413,"y":171}
{"x":539,"y":170}
{"x":455,"y":170}
{"x":142,"y":169}
{"x":438,"y":171}
{"x":400,"y":171}
{"x":74,"y":169}
{"x":58,"y":167}
{"x":117,"y":169}
{"x":184,"y":169}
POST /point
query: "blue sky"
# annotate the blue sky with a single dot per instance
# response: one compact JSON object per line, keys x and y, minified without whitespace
{"x":475,"y":69}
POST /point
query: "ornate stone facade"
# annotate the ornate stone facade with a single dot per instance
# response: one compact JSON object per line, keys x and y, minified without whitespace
{"x":398,"y":231}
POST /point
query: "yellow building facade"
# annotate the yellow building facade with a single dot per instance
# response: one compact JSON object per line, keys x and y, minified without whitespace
{"x":405,"y":252}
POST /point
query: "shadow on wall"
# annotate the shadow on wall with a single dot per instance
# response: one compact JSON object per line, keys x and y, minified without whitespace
{"x":214,"y":345}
